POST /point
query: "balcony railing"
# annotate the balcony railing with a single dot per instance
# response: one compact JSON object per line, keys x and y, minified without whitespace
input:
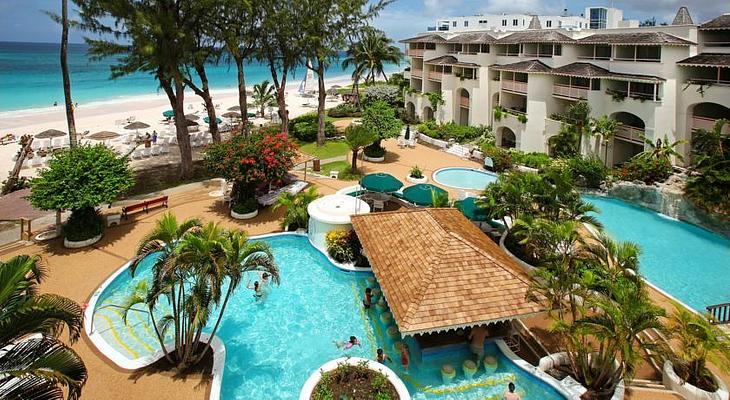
{"x":416,"y":72}
{"x":708,"y":124}
{"x":631,"y":133}
{"x":508,"y":54}
{"x":572,"y":92}
{"x":719,"y":313}
{"x":414,"y":52}
{"x":514,"y":86}
{"x":716,"y":43}
{"x":591,"y":57}
{"x":637,"y":59}
{"x":707,"y":81}
{"x":538,"y":55}
{"x":464,"y":102}
{"x":435,"y":76}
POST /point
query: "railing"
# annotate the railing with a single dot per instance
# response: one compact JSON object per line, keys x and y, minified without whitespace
{"x":414,"y":52}
{"x":634,"y":95}
{"x":708,"y":124}
{"x":435,"y":76}
{"x":573,"y":92}
{"x":508,"y":54}
{"x":416,"y":72}
{"x":631,"y":133}
{"x":706,"y":81}
{"x":637,"y":59}
{"x":717,"y":43}
{"x":25,"y":227}
{"x":593,"y":58}
{"x":464,"y":102}
{"x":539,"y":55}
{"x":719,"y":313}
{"x":514,"y":86}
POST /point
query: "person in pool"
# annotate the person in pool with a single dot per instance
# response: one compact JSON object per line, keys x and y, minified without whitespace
{"x":368,"y":300}
{"x":382,"y":357}
{"x":510,"y":393}
{"x":405,"y":357}
{"x":348,"y":344}
{"x":258,"y":294}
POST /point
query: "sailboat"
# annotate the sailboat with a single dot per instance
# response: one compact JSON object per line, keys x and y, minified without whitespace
{"x":308,"y":76}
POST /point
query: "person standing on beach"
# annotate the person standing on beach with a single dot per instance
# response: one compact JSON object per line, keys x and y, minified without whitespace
{"x":154,"y":137}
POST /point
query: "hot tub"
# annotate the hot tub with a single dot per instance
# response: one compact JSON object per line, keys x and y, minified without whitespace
{"x":332,"y":212}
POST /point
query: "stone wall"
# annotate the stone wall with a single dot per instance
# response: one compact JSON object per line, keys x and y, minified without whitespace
{"x":670,"y":202}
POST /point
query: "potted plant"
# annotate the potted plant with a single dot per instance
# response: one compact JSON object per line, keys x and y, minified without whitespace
{"x":522,"y":118}
{"x":246,"y":208}
{"x":380,"y":119}
{"x":416,"y":175}
{"x":340,"y":378}
{"x":499,"y":113}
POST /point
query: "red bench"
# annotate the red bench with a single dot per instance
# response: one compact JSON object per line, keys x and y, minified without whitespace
{"x":144,"y":206}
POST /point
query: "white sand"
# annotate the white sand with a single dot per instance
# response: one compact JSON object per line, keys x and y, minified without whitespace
{"x":105,"y":115}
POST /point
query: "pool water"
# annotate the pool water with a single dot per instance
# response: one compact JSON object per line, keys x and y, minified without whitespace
{"x":464,"y":178}
{"x":688,"y":262}
{"x":273,"y":347}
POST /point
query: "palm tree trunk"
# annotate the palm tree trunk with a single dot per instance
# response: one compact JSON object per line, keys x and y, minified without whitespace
{"x":66,"y":77}
{"x":177,"y":102}
{"x":242,"y":102}
{"x":353,"y":168}
{"x":321,"y":103}
{"x":160,"y":338}
{"x":215,"y":327}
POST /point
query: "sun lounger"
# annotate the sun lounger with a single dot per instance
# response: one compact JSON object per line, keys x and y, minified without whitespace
{"x":270,"y":198}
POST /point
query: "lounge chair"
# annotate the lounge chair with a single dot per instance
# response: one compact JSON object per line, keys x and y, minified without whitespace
{"x":270,"y":197}
{"x":488,"y":164}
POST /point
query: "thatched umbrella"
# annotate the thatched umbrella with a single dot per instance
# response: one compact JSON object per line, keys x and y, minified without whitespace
{"x":103,"y":135}
{"x":189,"y":122}
{"x":192,"y":117}
{"x":234,"y":108}
{"x":50,"y":133}
{"x":231,"y":114}
{"x":136,"y":126}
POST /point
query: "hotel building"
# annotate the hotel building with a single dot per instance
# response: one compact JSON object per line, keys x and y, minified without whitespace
{"x":655,"y":81}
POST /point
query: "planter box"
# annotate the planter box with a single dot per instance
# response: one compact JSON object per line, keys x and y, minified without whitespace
{"x":527,"y":267}
{"x":69,"y":244}
{"x":250,"y":215}
{"x":311,"y":383}
{"x":673,"y":382}
{"x":416,"y":180}
{"x":373,"y":159}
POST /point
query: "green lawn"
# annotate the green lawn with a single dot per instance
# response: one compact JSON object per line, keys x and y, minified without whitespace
{"x":343,"y":167}
{"x":331,"y":148}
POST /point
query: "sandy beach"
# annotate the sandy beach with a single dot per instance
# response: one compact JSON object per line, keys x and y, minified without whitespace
{"x":112,"y":115}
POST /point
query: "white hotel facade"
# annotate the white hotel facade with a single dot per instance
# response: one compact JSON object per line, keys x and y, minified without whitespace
{"x":655,"y":81}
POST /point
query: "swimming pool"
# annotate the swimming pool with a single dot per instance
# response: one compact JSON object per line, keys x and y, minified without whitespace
{"x":688,"y":262}
{"x":464,"y":178}
{"x":273,"y":347}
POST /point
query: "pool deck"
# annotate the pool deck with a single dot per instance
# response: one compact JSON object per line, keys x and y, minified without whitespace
{"x":78,"y":273}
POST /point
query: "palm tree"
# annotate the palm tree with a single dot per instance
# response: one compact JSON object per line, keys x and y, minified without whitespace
{"x":263,"y":95}
{"x":34,"y":363}
{"x":190,"y":273}
{"x":661,"y":149}
{"x":578,"y":113}
{"x":296,"y":215}
{"x":605,"y":127}
{"x":711,"y":143}
{"x":698,"y":342}
{"x":357,"y":137}
{"x":66,"y":77}
{"x":369,"y":54}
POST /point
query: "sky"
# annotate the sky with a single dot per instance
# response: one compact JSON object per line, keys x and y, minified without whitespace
{"x":24,"y":20}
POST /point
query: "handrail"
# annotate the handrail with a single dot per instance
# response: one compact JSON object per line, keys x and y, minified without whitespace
{"x":719,"y":313}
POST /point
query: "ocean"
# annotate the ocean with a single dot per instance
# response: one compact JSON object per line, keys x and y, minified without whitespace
{"x":30,"y":77}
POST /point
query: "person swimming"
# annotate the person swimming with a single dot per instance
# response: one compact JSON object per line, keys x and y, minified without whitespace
{"x":510,"y":393}
{"x":258,"y":294}
{"x":368,"y":300}
{"x":405,"y":357}
{"x":348,"y":344}
{"x":382,"y":357}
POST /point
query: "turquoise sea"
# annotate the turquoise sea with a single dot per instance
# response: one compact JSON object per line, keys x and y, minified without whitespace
{"x":30,"y":76}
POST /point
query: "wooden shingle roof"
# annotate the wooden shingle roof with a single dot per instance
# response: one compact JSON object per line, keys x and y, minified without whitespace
{"x":530,"y":67}
{"x":588,"y":70}
{"x":473,"y":38}
{"x":707,"y":60}
{"x":429,"y":38}
{"x":721,"y":22}
{"x":439,"y":272}
{"x":636,"y":38}
{"x":536,"y":36}
{"x":449,"y":60}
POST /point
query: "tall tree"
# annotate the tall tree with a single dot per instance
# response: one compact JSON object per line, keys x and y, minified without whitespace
{"x":605,"y":127}
{"x":147,"y":36}
{"x":325,"y":31}
{"x":263,"y":95}
{"x":578,"y":114}
{"x":68,"y":102}
{"x":237,"y":25}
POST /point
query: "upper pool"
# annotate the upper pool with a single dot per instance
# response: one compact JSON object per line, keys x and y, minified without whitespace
{"x":273,"y":347}
{"x":688,"y":262}
{"x":464,"y":178}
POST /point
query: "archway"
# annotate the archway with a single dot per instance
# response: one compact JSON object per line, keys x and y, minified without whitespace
{"x":705,"y":115}
{"x":506,"y":138}
{"x":410,"y":110}
{"x":628,"y":138}
{"x":463,"y":101}
{"x":427,"y":113}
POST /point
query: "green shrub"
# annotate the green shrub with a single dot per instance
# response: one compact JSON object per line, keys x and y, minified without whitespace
{"x":382,"y":92}
{"x":374,"y":151}
{"x":565,"y":143}
{"x":416,"y":172}
{"x":502,"y":158}
{"x":245,"y":206}
{"x":646,"y":169}
{"x":304,"y":127}
{"x":532,"y":160}
{"x":84,"y":223}
{"x":344,"y":110}
{"x":588,"y":171}
{"x":338,"y":246}
{"x":450,"y":130}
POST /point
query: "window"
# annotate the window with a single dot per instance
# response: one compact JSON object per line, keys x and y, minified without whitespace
{"x":484,"y":48}
{"x":560,"y":24}
{"x":558,"y":50}
{"x":515,"y":22}
{"x":504,"y":22}
{"x":466,"y":23}
{"x":453,"y":24}
{"x":597,"y":18}
{"x":549,"y":24}
{"x":483,"y":22}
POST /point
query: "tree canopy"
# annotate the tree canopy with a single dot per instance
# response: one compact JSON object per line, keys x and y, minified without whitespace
{"x":380,"y":119}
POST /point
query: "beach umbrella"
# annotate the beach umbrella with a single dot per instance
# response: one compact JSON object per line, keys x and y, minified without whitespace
{"x":217,"y":120}
{"x":50,"y":133}
{"x":103,"y":135}
{"x":189,"y":122}
{"x":251,"y":115}
{"x":422,"y":194}
{"x":231,"y":114}
{"x":136,"y":126}
{"x":332,"y":91}
{"x":471,"y":210}
{"x":192,"y":117}
{"x":168,"y":114}
{"x":234,"y":108}
{"x":335,"y":87}
{"x":380,"y":182}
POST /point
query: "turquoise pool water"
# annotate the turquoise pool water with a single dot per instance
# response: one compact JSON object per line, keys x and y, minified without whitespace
{"x":464,"y":178}
{"x":273,"y":347}
{"x":688,"y":262}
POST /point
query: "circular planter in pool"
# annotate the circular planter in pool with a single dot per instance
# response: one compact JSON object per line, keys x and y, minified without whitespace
{"x":311,"y":383}
{"x":250,"y":215}
{"x":464,"y":178}
{"x":416,"y":180}
{"x":70,"y":244}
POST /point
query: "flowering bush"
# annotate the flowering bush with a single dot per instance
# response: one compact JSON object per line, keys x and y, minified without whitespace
{"x":338,"y":246}
{"x":645,"y":169}
{"x":251,"y":161}
{"x":386,"y":93}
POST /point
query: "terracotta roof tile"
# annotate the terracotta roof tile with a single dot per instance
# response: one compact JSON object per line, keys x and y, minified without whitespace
{"x":439,"y":272}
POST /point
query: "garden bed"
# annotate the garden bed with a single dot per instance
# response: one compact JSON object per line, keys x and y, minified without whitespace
{"x":356,"y":379}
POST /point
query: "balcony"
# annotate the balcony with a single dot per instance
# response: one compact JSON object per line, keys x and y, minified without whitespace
{"x":464,"y":102}
{"x":708,"y":124}
{"x":416,"y":72}
{"x":415,"y":52}
{"x":514,"y":86}
{"x":435,"y":76}
{"x":571,"y":92}
{"x":630,"y":133}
